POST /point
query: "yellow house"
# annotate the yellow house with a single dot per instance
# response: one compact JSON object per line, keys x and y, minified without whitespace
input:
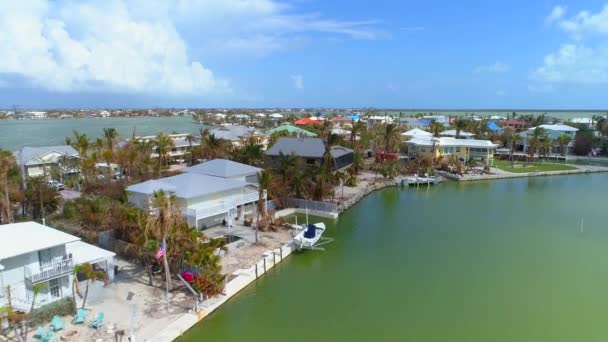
{"x":464,"y":149}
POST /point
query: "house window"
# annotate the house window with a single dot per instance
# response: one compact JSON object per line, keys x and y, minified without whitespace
{"x":54,"y":288}
{"x":457,"y":149}
{"x":44,"y":257}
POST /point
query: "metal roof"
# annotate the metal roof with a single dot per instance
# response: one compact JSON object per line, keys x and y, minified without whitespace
{"x":304,"y":147}
{"x":188,"y":185}
{"x":29,"y":155}
{"x":291,"y":129}
{"x":26,"y":237}
{"x":223,"y":168}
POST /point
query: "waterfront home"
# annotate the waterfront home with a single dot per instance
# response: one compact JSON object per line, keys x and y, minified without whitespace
{"x":461,"y":134}
{"x":205,"y":200}
{"x":589,"y":122}
{"x":181,"y":146}
{"x":464,"y":149}
{"x":312,"y":151}
{"x":239,"y":135}
{"x":552,"y":132}
{"x":376,"y":120}
{"x":565,"y":129}
{"x":31,"y":253}
{"x":227,"y":169}
{"x":39,"y":161}
{"x":292,"y":130}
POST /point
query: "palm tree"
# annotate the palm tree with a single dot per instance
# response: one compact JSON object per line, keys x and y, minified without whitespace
{"x":7,"y":166}
{"x":190,"y":138}
{"x":164,"y":144}
{"x":81,"y":143}
{"x":563,"y":141}
{"x":264,"y":180}
{"x":214,"y":147}
{"x":251,"y":153}
{"x":390,"y":137}
{"x":166,"y":217}
{"x":436,"y":129}
{"x":460,"y":124}
{"x":356,"y":129}
{"x":110,"y":134}
{"x":547,"y":145}
{"x":89,"y":272}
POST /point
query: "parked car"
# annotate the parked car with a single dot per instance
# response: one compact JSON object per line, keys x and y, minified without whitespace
{"x":57,"y":185}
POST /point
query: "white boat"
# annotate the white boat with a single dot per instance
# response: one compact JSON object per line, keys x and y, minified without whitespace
{"x":308,"y":235}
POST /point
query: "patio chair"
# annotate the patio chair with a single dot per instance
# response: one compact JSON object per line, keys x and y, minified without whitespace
{"x":43,"y":335}
{"x":57,"y":323}
{"x":80,"y":317}
{"x":98,"y":322}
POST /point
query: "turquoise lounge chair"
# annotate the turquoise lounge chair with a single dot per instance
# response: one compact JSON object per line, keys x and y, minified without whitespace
{"x":43,"y":335}
{"x":57,"y":323}
{"x":80,"y":317}
{"x":98,"y":322}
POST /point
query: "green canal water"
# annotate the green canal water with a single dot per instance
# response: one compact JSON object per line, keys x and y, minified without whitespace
{"x":486,"y":261}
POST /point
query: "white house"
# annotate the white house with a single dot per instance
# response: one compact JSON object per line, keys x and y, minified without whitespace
{"x":31,"y":253}
{"x":38,"y":161}
{"x":239,"y":135}
{"x":180,"y":148}
{"x":205,"y":200}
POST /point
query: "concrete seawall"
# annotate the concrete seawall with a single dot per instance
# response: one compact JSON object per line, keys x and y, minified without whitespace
{"x":581,"y":169}
{"x":242,"y":278}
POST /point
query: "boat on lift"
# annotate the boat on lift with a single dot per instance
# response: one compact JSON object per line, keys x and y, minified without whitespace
{"x":308,"y":235}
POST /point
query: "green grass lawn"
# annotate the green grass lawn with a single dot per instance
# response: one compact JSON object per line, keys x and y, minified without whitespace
{"x":521,"y":167}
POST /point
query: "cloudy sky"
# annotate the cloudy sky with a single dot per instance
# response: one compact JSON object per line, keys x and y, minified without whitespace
{"x":264,"y":53}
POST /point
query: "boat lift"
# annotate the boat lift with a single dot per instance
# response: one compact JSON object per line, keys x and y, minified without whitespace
{"x":317,"y":246}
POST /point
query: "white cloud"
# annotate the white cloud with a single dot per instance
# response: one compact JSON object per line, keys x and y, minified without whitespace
{"x":98,"y":46}
{"x":497,"y":67}
{"x":574,"y":63}
{"x":579,"y":61}
{"x":585,"y":23}
{"x":141,"y":46}
{"x":556,"y":14}
{"x":297,"y":81}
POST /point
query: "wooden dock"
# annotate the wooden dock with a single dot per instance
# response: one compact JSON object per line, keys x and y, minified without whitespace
{"x":417,"y":181}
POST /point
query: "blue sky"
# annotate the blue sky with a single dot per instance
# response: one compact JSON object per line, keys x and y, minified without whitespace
{"x":304,"y":53}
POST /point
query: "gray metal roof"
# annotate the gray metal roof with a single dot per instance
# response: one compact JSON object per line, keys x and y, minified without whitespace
{"x":30,"y":155}
{"x":304,"y":147}
{"x":234,"y":132}
{"x":223,"y":168}
{"x":188,"y":185}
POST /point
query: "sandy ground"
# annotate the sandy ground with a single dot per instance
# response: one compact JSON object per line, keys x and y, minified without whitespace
{"x":245,"y":253}
{"x":129,"y":306}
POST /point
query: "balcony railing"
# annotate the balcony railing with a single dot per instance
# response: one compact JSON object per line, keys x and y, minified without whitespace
{"x":49,"y":271}
{"x":208,"y":209}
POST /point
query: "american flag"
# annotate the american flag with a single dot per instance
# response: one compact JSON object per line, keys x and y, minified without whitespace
{"x":161,"y":251}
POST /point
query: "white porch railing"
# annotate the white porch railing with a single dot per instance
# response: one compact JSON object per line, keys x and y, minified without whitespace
{"x":212,"y":208}
{"x":49,"y":271}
